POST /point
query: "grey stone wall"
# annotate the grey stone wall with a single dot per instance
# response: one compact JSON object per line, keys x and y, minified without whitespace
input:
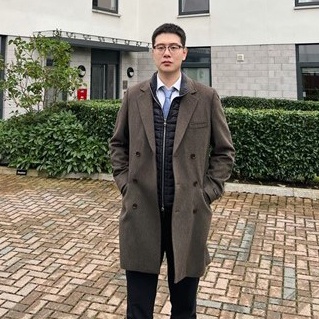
{"x":142,"y":64}
{"x":266,"y":71}
{"x":146,"y":66}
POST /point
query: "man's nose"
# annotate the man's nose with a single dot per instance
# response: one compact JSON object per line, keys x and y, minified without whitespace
{"x":167,"y":51}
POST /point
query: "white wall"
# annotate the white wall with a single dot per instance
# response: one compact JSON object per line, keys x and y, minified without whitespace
{"x":234,"y":22}
{"x":20,"y":17}
{"x":9,"y":107}
{"x":262,"y":22}
{"x":230,"y":22}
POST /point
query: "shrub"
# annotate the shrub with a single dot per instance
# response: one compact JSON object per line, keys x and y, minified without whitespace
{"x":275,"y":144}
{"x":263,"y":103}
{"x":58,"y":144}
{"x":271,"y":144}
{"x":97,"y":116}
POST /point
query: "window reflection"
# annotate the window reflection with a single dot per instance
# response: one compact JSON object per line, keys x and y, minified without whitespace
{"x":193,"y":6}
{"x":107,"y":5}
{"x":198,"y":64}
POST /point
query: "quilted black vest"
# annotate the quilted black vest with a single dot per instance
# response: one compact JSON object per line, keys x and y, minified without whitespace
{"x":164,"y":138}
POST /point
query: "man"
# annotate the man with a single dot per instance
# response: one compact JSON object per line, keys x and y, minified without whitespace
{"x":169,"y":169}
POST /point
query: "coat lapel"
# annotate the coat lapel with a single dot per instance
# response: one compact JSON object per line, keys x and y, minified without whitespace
{"x":145,"y":107}
{"x":186,"y":109}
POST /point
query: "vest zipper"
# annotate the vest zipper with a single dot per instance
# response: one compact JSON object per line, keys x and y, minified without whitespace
{"x":163,"y":156}
{"x":163,"y":165}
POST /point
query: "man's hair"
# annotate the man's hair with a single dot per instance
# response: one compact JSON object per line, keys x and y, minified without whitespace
{"x":169,"y":28}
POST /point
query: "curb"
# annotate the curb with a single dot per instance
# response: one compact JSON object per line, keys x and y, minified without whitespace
{"x":273,"y":190}
{"x":229,"y":187}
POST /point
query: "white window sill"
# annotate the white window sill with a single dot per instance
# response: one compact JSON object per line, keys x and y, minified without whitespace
{"x":193,"y":15}
{"x":316,"y":6}
{"x":106,"y":12}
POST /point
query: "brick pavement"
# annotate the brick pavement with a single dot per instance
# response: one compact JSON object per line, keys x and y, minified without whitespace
{"x":59,"y":254}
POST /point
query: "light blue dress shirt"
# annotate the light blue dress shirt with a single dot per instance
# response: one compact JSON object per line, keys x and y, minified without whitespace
{"x":160,"y":94}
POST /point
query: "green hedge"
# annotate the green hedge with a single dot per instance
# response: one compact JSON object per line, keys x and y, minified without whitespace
{"x":52,"y":140}
{"x":278,"y":144}
{"x":263,"y":103}
{"x":275,"y":144}
{"x":97,"y":116}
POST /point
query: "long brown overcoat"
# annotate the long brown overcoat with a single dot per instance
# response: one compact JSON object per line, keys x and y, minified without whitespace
{"x":203,"y":157}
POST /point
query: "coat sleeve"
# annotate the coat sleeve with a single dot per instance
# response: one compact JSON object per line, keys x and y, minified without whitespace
{"x":222,"y":154}
{"x":119,"y":146}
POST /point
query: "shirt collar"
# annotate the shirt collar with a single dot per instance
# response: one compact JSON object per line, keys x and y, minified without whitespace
{"x":176,"y":85}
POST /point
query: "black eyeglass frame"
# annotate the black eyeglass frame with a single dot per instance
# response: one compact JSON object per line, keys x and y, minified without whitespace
{"x":172,"y":48}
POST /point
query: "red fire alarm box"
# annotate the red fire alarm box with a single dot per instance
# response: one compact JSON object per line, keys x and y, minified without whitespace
{"x":82,"y":94}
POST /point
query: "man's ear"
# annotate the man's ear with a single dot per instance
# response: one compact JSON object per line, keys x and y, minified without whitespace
{"x":185,"y":53}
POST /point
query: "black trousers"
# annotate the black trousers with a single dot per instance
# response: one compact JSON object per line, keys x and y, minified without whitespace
{"x":142,"y":287}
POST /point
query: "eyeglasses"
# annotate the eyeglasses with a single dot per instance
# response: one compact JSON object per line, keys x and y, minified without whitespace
{"x":172,"y":48}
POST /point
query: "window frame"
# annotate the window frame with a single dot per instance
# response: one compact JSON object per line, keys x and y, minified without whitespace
{"x":303,"y":64}
{"x":199,"y":64}
{"x":96,"y":7}
{"x":182,"y":13}
{"x":303,"y":4}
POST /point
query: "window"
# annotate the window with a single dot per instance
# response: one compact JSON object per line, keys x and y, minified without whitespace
{"x":306,"y":2}
{"x":106,"y":5}
{"x":193,"y":6}
{"x":198,"y":65}
{"x":308,"y":53}
{"x":308,"y":72}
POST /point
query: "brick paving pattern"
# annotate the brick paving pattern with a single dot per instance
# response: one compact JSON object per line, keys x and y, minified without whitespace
{"x":59,"y":254}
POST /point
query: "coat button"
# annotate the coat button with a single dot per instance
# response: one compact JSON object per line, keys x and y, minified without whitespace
{"x":138,"y":154}
{"x":134,"y":206}
{"x":195,"y":183}
{"x":195,"y":211}
{"x":193,"y":156}
{"x":134,"y":180}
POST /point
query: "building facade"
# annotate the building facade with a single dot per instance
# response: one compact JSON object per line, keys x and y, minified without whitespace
{"x":260,"y":48}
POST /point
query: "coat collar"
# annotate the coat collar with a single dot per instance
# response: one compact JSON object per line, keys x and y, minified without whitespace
{"x":187,"y":107}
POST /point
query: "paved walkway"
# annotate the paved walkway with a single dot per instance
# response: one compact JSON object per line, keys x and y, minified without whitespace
{"x":59,"y":254}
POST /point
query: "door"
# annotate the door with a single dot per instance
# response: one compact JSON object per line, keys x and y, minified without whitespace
{"x":103,"y":82}
{"x":104,"y":74}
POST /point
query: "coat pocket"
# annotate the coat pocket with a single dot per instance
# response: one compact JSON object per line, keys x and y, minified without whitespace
{"x":201,"y":201}
{"x":195,"y":125}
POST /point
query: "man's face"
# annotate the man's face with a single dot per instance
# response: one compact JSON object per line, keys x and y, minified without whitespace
{"x":168,"y":53}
